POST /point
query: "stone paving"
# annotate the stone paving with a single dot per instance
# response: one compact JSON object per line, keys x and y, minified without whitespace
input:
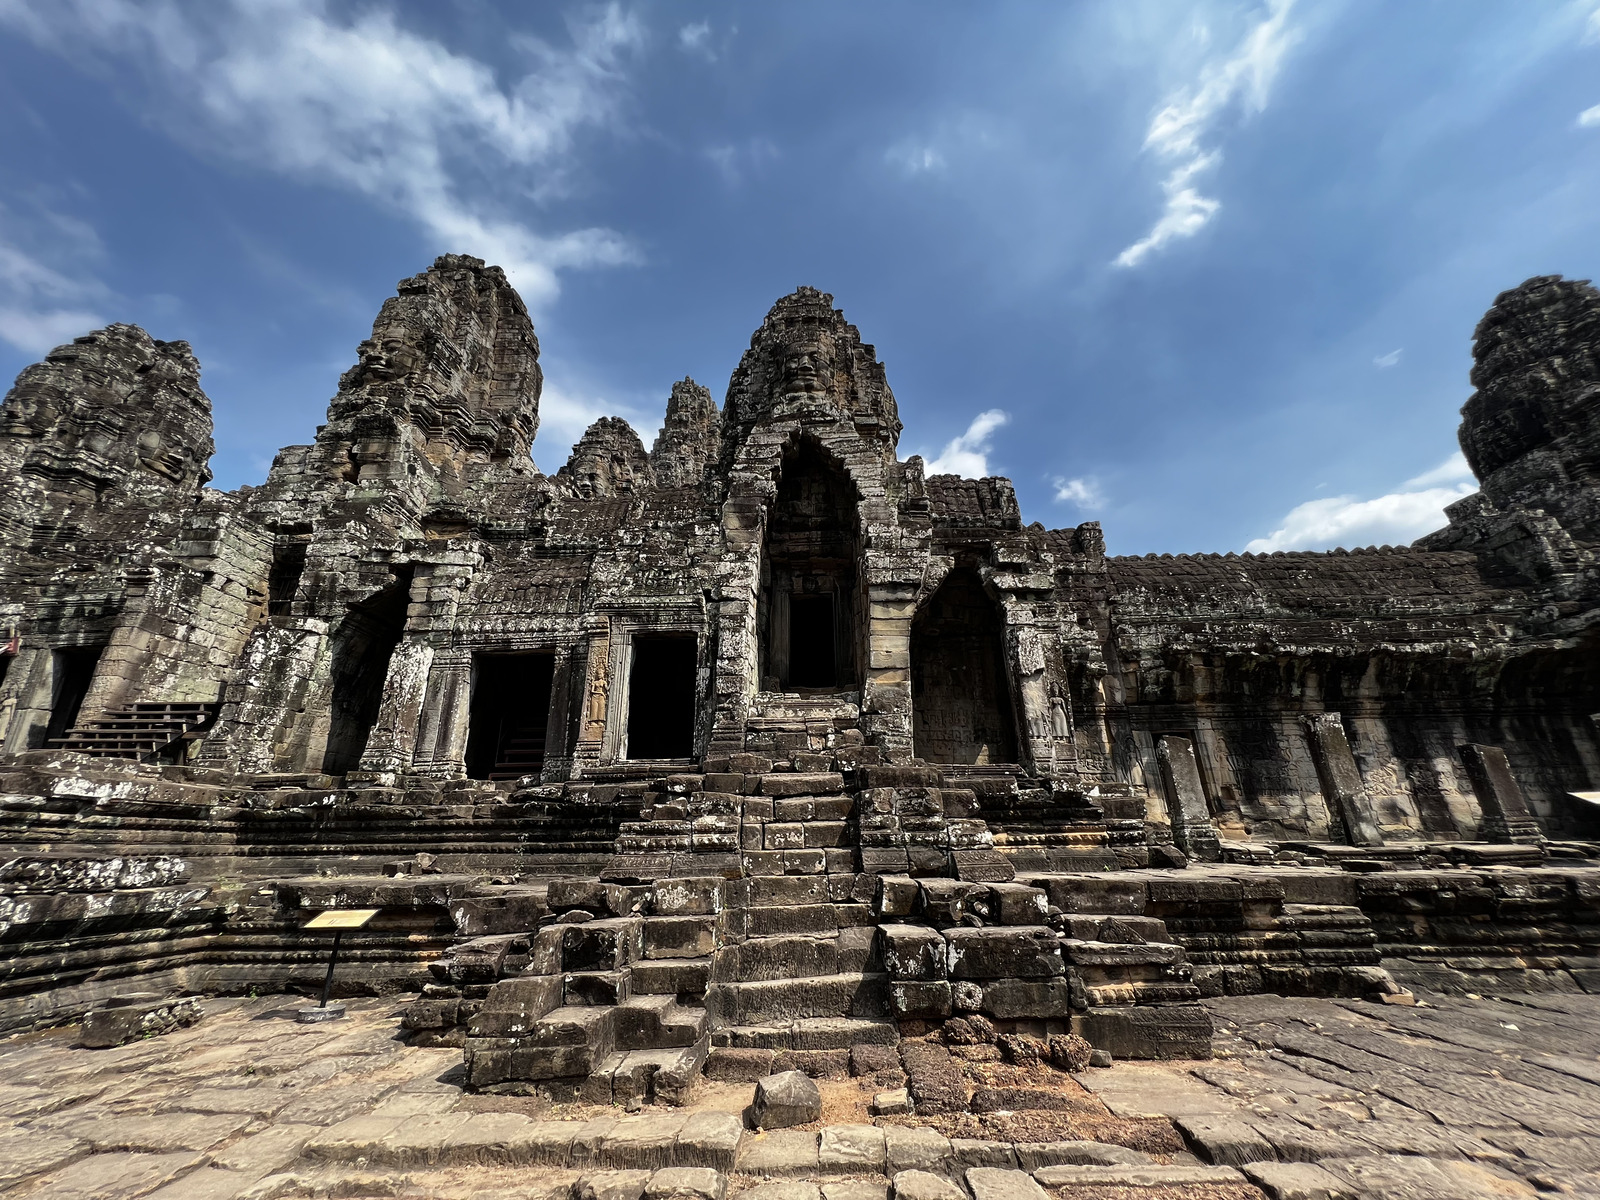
{"x":1307,"y":1100}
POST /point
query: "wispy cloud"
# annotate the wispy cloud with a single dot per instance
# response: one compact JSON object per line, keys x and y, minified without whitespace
{"x":696,"y":39}
{"x":364,"y":104}
{"x":914,"y":157}
{"x":968,"y":454}
{"x":735,"y":162}
{"x":48,"y":293}
{"x":1176,"y":131}
{"x":1399,"y":518}
{"x":567,"y":408}
{"x":1589,"y":117}
{"x":1384,"y":361}
{"x":1084,"y":492}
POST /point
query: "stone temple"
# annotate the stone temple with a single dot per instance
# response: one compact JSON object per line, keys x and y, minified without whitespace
{"x":761,"y":746}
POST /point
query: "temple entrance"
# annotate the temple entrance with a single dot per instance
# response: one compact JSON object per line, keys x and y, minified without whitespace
{"x":661,"y":698}
{"x":72,"y":671}
{"x":510,"y":714}
{"x":960,"y":698}
{"x":809,"y":603}
{"x":362,"y":647}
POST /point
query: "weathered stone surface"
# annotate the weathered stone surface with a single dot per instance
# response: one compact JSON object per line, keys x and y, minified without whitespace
{"x":786,"y":1099}
{"x":137,"y":1016}
{"x":924,"y":1185}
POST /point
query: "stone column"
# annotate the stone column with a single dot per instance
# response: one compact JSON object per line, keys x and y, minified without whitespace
{"x":886,"y":696}
{"x":557,"y":750}
{"x":1342,"y":787}
{"x":1035,"y":743}
{"x":442,"y":731}
{"x":1505,"y":810}
{"x":1186,"y":800}
{"x":596,"y":696}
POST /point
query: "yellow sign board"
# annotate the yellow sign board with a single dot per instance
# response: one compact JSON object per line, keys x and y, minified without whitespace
{"x":341,"y":918}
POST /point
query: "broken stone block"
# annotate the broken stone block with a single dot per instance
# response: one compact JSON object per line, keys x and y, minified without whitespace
{"x":139,"y":1014}
{"x":789,"y":1098}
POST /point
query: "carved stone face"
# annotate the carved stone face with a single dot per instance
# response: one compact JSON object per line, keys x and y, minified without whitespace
{"x":805,"y":370}
{"x":22,"y":413}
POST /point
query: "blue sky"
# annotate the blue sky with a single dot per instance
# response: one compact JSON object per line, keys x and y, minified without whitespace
{"x":1205,"y":272}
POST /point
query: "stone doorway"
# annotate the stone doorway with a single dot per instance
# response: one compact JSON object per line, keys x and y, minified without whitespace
{"x":362,"y":647}
{"x":661,"y":698}
{"x":961,"y":705}
{"x":72,"y":671}
{"x":510,"y":714}
{"x":810,"y":607}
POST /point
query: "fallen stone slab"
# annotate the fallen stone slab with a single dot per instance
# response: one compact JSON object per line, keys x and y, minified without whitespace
{"x":1298,"y":1181}
{"x":893,"y":1103}
{"x":993,"y":1183}
{"x":799,"y":1190}
{"x":924,"y":1185}
{"x":611,"y":1185}
{"x":1224,"y":1141}
{"x":686,"y":1183}
{"x":1154,"y":1176}
{"x":709,"y":1139}
{"x":644,"y":1142}
{"x":852,"y":1150}
{"x":855,"y":1189}
{"x":914,"y":1149}
{"x":789,"y":1098}
{"x":781,"y":1154}
{"x":140,"y":1014}
{"x":1031,"y":1156}
{"x":978,"y":1152}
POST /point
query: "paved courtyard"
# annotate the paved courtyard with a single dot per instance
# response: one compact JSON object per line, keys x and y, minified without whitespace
{"x":1306,"y":1099}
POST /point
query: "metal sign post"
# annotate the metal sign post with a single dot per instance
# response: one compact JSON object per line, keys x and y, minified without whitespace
{"x":337,"y":920}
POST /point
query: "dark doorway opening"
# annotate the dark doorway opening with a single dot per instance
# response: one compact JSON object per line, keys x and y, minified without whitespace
{"x":73,"y":672}
{"x":809,"y":605}
{"x":960,"y":697}
{"x":362,"y":647}
{"x":811,"y":642}
{"x":510,"y":714}
{"x":661,"y":698}
{"x":288,"y":564}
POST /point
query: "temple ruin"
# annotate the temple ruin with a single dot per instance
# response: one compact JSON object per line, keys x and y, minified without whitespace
{"x":761,"y":743}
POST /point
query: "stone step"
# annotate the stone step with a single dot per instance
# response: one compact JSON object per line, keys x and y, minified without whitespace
{"x":643,"y":1075}
{"x":782,"y":1001}
{"x":672,"y":977}
{"x":656,"y":1023}
{"x":797,"y":956}
{"x":709,"y":1139}
{"x":810,"y":1033}
{"x":679,"y":937}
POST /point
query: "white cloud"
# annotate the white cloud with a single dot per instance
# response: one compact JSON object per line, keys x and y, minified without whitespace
{"x":1452,"y":470}
{"x":1589,"y":117}
{"x":565,"y":413}
{"x":1397,"y":519}
{"x":968,"y":454}
{"x":696,"y":39}
{"x":734,"y":163}
{"x":366,"y":105}
{"x":44,"y":305}
{"x":914,"y":158}
{"x":1085,"y":493}
{"x":1384,"y":361}
{"x":1176,"y":131}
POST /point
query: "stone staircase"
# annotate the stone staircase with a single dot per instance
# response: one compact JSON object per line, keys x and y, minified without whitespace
{"x":606,"y":1009}
{"x":137,"y":731}
{"x":798,"y":968}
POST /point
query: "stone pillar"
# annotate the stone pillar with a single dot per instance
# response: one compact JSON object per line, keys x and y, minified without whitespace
{"x":596,"y":696}
{"x":1186,"y":800}
{"x":1505,"y":810}
{"x":25,"y":701}
{"x":557,"y":747}
{"x":1342,"y":787}
{"x":442,"y":732}
{"x":886,"y":695}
